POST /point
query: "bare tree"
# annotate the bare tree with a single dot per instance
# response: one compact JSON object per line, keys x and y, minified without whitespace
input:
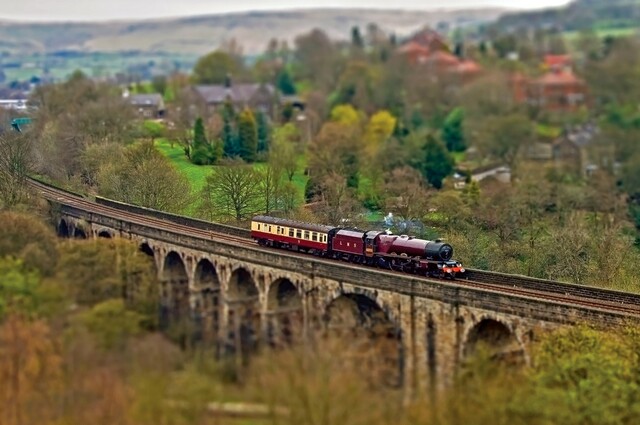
{"x":408,"y":194}
{"x":339,"y":204}
{"x":231,"y":192}
{"x":145,"y":177}
{"x":16,"y":162}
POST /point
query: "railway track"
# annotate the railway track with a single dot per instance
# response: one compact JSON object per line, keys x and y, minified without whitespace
{"x":521,"y":286}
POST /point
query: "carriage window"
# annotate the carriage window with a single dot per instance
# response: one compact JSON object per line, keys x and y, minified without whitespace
{"x":306,"y":234}
{"x":290,"y":232}
{"x":298,"y":233}
{"x":314,"y":237}
{"x":324,"y":238}
{"x":258,"y":226}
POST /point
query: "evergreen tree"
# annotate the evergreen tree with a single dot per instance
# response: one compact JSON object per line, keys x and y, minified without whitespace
{"x":201,"y":152}
{"x":229,"y":139}
{"x":452,"y":131}
{"x":247,"y":136}
{"x":284,"y":82}
{"x":356,"y":38}
{"x":199,"y":136}
{"x":264,"y":132}
{"x":437,"y":163}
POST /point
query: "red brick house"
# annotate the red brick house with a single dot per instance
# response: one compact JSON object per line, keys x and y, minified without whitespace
{"x":427,"y":48}
{"x":558,"y":91}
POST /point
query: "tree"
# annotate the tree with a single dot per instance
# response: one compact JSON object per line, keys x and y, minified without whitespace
{"x":270,"y":178}
{"x":25,"y":237}
{"x":31,"y":369}
{"x":159,"y":83}
{"x":284,"y":83}
{"x":285,"y":149}
{"x":335,"y":150}
{"x":407,"y":193}
{"x":247,"y":135}
{"x":229,"y":136}
{"x":216,"y":67}
{"x":501,"y":137}
{"x":452,"y":131}
{"x":264,"y":131}
{"x":202,"y":152}
{"x":231,"y":192}
{"x":436,"y":163}
{"x":16,"y":163}
{"x":199,"y":136}
{"x":98,"y":270}
{"x":379,"y":129}
{"x":338,"y":203}
{"x":153,"y":129}
{"x":145,"y":177}
{"x":317,"y":59}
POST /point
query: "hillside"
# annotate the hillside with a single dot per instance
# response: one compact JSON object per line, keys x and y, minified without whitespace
{"x":578,"y":15}
{"x":201,"y":34}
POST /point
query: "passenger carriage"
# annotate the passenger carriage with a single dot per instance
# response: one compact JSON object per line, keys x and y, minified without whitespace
{"x":295,"y":235}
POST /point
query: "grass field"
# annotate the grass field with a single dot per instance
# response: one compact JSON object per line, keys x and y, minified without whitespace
{"x":603,"y":32}
{"x":197,"y":174}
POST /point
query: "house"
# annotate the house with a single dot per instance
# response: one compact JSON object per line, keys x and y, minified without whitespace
{"x":148,"y":106}
{"x":427,"y":48}
{"x":261,"y":97}
{"x":429,"y":39}
{"x":572,"y":150}
{"x":558,"y":90}
{"x":415,"y":53}
{"x":557,"y":62}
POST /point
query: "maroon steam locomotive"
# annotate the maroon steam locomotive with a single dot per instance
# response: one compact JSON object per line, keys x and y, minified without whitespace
{"x":373,"y":248}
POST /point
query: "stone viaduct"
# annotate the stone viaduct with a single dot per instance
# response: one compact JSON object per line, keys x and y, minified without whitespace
{"x":241,"y":295}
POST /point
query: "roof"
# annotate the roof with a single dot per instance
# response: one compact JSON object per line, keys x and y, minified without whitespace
{"x":218,"y":93}
{"x":292,"y":223}
{"x":413,"y":47}
{"x":428,"y":38}
{"x":580,"y":137}
{"x":559,"y":78}
{"x":553,"y":61}
{"x":443,"y":58}
{"x":350,"y":233}
{"x":153,"y":99}
{"x":468,"y":67}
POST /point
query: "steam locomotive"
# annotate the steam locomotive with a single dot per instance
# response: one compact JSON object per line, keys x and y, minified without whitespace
{"x":373,"y":248}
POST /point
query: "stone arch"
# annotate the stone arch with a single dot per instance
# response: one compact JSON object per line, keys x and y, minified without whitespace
{"x":146,"y":249}
{"x":79,"y":233}
{"x":105,"y":234}
{"x":63,"y":229}
{"x":175,"y":295}
{"x":243,"y":307}
{"x":497,"y":339}
{"x":285,"y":313}
{"x":207,"y":306}
{"x":362,"y":319}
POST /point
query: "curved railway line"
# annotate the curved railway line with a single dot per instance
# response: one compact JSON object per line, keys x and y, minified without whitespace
{"x":622,"y":303}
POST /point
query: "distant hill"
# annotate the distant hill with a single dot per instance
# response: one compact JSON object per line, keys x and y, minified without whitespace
{"x":578,"y":15}
{"x":201,"y":34}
